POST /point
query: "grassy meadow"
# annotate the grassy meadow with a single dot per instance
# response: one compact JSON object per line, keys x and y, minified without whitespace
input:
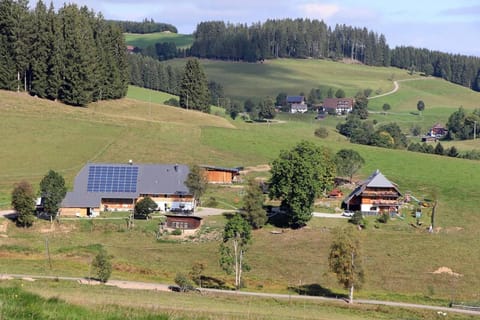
{"x":182,"y":41}
{"x":24,"y":300}
{"x":399,"y":259}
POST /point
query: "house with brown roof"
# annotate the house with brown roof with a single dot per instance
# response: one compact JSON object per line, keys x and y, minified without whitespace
{"x":438,"y":130}
{"x":338,"y":106}
{"x":375,"y":195}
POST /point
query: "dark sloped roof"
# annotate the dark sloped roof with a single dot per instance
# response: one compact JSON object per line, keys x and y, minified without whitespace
{"x":151,"y":179}
{"x":295,"y":99}
{"x":233,"y":170}
{"x":376,"y":180}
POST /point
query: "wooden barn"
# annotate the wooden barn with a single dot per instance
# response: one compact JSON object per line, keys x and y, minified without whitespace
{"x":183,"y":222}
{"x":221,"y":175}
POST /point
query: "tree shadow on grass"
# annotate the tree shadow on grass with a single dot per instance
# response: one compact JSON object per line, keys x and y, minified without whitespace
{"x":278,"y":219}
{"x":317,"y":290}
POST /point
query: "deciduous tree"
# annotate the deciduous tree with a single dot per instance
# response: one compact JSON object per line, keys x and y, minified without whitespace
{"x":196,"y":182}
{"x":145,"y":207}
{"x":298,"y":177}
{"x":253,"y":210}
{"x":420,"y":106}
{"x":348,"y":162}
{"x":236,"y":237}
{"x":23,"y":201}
{"x":345,"y":260}
{"x":52,"y":191}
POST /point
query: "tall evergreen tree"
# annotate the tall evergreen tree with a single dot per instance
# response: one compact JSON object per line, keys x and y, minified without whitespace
{"x":79,"y":56}
{"x":194,"y":87}
{"x":40,"y":51}
{"x":54,"y":60}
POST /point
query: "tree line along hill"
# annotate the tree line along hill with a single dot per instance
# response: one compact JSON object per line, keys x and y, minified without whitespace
{"x":304,"y":38}
{"x":72,"y":55}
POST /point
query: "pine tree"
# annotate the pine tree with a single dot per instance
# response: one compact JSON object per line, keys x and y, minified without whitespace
{"x":79,"y":52}
{"x":54,"y":61}
{"x":39,"y":51}
{"x":194,"y":87}
{"x":8,"y":69}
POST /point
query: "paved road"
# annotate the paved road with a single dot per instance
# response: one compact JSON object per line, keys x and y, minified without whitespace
{"x":165,"y":287}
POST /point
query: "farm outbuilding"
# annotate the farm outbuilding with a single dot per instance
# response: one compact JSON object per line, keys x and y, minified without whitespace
{"x":117,"y":187}
{"x":221,"y":175}
{"x":183,"y":222}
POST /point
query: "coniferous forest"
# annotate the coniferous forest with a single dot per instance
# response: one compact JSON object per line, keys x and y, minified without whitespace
{"x":304,"y":38}
{"x":72,"y":55}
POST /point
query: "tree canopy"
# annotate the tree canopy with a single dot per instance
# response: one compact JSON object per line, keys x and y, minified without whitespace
{"x":345,"y":260}
{"x":236,"y":237}
{"x":72,"y":55}
{"x":348,"y":162}
{"x":298,"y":178}
{"x":196,"y":182}
{"x":52,"y":190}
{"x":194,"y":92}
{"x":253,"y":210}
{"x":145,"y":207}
{"x":23,"y":201}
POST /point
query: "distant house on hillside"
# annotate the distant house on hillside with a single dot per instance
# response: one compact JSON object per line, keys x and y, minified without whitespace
{"x":338,"y":106}
{"x":374,"y":195}
{"x":297,"y":104}
{"x":438,"y":131}
{"x":220,"y":174}
{"x":117,"y":187}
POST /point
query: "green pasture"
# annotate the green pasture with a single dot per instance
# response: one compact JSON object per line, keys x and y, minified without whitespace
{"x":149,"y":39}
{"x":48,"y":300}
{"x":400,"y":259}
{"x":243,"y":80}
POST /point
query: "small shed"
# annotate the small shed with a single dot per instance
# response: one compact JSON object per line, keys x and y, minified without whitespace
{"x":220,"y":174}
{"x":183,"y":222}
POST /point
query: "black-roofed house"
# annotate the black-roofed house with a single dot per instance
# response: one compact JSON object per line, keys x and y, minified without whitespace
{"x":117,"y":187}
{"x":297,"y":104}
{"x":374,"y":195}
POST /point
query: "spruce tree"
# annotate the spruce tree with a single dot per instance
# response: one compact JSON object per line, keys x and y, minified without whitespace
{"x":39,"y":51}
{"x":79,"y":52}
{"x":55,"y":60}
{"x":194,"y":88}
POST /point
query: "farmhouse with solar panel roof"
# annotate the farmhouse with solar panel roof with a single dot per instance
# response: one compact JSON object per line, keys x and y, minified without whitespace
{"x":117,"y":187}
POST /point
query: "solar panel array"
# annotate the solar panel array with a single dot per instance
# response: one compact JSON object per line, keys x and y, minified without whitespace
{"x":112,"y":179}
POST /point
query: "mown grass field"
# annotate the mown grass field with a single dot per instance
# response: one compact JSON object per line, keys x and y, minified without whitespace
{"x":400,"y":260}
{"x":149,"y":39}
{"x":101,"y":302}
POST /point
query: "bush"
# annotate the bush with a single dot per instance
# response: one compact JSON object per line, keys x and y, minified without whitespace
{"x":321,"y":132}
{"x":357,"y":218}
{"x":172,"y":102}
{"x":383,"y":218}
{"x":102,"y":266}
{"x":177,"y":232}
{"x":183,"y":282}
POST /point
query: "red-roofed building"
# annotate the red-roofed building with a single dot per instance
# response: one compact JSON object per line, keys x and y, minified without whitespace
{"x":338,"y":105}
